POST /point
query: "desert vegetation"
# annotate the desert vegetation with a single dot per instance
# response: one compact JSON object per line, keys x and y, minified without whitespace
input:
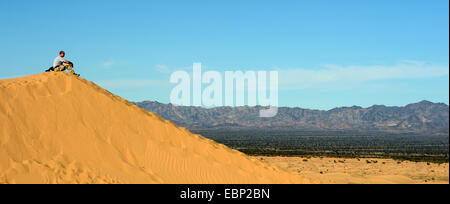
{"x":339,"y":144}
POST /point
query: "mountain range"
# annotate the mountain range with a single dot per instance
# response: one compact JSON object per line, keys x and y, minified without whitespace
{"x":422,"y":117}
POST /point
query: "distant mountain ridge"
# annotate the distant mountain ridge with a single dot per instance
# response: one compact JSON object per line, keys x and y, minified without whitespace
{"x":421,"y":117}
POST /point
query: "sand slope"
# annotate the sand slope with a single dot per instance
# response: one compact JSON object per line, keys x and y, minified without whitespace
{"x":56,"y":128}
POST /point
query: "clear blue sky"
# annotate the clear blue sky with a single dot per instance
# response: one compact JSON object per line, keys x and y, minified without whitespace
{"x":329,"y":53}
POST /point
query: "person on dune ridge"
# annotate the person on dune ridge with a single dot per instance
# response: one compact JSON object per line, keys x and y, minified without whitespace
{"x":59,"y":66}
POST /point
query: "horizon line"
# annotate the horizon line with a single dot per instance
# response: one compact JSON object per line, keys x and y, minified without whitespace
{"x":293,"y":107}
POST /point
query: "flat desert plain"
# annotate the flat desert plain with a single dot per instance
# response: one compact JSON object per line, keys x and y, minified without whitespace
{"x":364,"y":171}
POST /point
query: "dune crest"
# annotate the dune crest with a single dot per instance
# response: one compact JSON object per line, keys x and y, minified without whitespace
{"x":56,"y":128}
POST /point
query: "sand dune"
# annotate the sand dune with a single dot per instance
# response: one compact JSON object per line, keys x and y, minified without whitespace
{"x":56,"y":128}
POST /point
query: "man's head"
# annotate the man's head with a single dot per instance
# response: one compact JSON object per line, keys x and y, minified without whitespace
{"x":62,"y":54}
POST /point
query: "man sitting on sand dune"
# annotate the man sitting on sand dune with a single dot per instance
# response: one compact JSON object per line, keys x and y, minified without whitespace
{"x":59,"y":66}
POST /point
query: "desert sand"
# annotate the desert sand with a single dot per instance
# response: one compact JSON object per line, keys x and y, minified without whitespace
{"x":57,"y":128}
{"x":364,"y":170}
